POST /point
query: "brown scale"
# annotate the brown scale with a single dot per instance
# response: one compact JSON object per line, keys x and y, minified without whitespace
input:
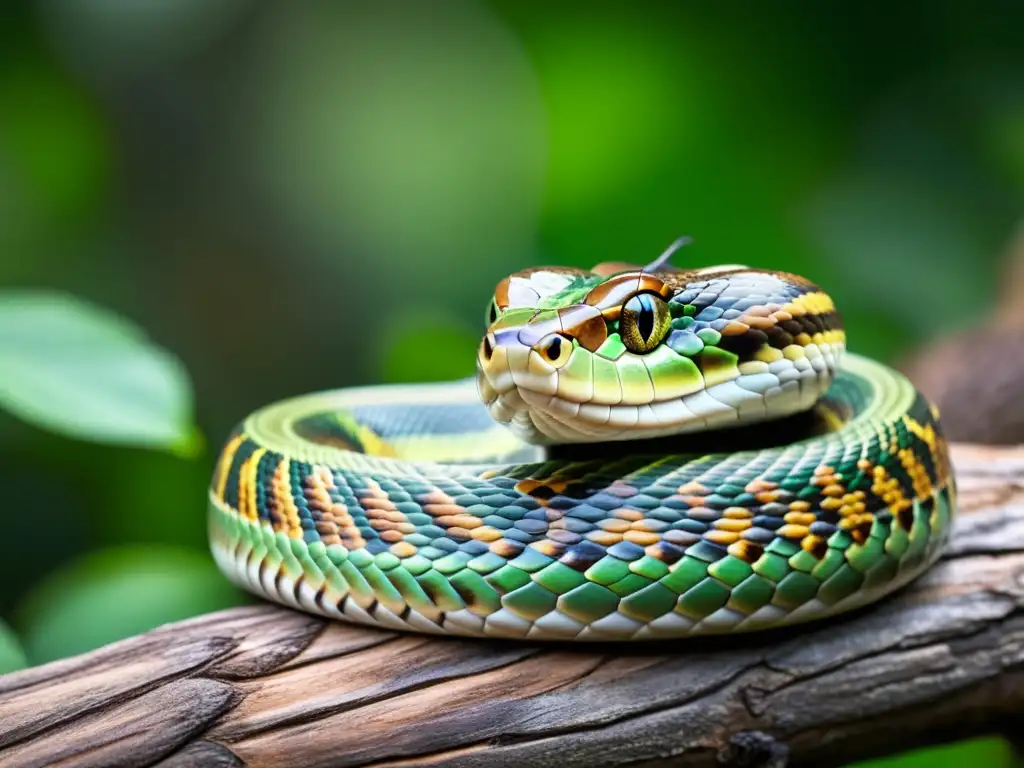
{"x":816,"y":545}
{"x":584,"y":323}
{"x":542,"y":491}
{"x":507,"y":548}
{"x":434,"y":592}
{"x":443,"y":510}
{"x":557,"y":537}
{"x":321,"y":506}
{"x":333,"y":514}
{"x":604,"y":538}
{"x":391,"y":525}
{"x":728,"y":526}
{"x":851,"y":508}
{"x":746,"y":335}
{"x":274,"y":505}
{"x":582,"y":558}
{"x":749,"y":551}
{"x":311,"y":490}
{"x":641,"y":538}
{"x":744,"y":345}
{"x":888,"y":491}
{"x":937,"y":446}
{"x":610,"y":525}
{"x":550,"y":547}
{"x":339,"y":517}
{"x":469,"y":597}
{"x":454,"y":518}
{"x":318,"y":499}
{"x":665,"y":551}
{"x":610,"y":295}
{"x":906,"y":518}
{"x":403,"y":549}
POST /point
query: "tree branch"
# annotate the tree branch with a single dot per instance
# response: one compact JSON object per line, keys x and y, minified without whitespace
{"x":267,"y":686}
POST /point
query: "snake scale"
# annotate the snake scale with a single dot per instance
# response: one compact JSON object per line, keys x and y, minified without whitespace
{"x":644,"y":453}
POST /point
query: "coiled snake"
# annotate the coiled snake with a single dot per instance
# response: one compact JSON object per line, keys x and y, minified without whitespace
{"x":645,"y":453}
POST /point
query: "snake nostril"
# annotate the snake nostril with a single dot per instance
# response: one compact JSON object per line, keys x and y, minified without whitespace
{"x":488,"y":348}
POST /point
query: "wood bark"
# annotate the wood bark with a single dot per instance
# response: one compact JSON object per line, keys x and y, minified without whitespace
{"x":267,"y":686}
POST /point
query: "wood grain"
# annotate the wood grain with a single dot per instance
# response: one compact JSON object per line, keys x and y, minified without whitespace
{"x":264,"y":686}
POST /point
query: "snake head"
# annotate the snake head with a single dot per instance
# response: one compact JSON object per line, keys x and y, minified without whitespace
{"x":586,"y":356}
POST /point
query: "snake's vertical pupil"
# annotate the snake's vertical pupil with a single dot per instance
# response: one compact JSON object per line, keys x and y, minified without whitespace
{"x":493,"y":316}
{"x":645,"y":320}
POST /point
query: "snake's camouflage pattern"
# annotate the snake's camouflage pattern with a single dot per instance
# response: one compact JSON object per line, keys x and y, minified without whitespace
{"x":411,"y":508}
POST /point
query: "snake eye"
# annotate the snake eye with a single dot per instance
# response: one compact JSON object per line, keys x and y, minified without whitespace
{"x":644,"y":321}
{"x":554,"y":349}
{"x":493,"y":313}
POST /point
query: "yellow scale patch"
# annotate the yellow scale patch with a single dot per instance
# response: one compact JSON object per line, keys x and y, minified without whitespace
{"x":247,"y":485}
{"x":282,"y":490}
{"x":814,"y":303}
{"x":224,"y":467}
{"x":936,"y":445}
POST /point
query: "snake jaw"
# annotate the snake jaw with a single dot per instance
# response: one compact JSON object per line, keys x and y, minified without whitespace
{"x":544,"y":408}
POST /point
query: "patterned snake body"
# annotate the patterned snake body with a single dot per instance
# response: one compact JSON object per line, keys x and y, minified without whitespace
{"x":771,"y":478}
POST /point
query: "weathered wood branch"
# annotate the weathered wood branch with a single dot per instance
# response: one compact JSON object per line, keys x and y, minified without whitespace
{"x":268,"y":686}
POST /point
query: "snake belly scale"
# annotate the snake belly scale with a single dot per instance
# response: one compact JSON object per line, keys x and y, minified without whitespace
{"x":644,"y":453}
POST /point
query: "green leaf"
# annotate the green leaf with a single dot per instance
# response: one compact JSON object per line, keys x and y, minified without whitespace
{"x":11,"y":656}
{"x":991,"y":751}
{"x":84,"y":372}
{"x":116,"y":593}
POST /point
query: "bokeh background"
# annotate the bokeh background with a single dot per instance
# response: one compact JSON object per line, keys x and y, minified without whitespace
{"x":206,"y":205}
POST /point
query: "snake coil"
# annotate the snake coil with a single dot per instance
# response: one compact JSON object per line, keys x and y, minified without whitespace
{"x":645,"y":453}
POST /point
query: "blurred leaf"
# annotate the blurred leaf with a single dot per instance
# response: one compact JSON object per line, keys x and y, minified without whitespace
{"x":12,"y":657}
{"x":116,"y":593}
{"x":82,"y":371}
{"x":991,"y":752}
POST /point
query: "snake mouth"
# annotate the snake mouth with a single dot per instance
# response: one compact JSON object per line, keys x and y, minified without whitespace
{"x":553,"y":419}
{"x":771,"y":391}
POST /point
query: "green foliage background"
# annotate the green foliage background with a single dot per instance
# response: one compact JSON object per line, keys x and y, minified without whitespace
{"x":308,"y":195}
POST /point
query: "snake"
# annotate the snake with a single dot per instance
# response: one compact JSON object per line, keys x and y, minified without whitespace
{"x":645,"y":452}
